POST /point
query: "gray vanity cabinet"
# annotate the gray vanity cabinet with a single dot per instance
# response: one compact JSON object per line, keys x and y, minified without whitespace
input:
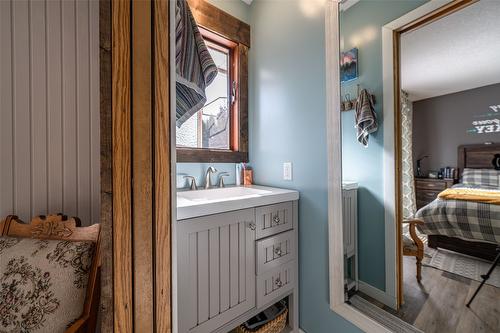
{"x":216,"y":266}
{"x":233,"y":265}
{"x":350,"y":230}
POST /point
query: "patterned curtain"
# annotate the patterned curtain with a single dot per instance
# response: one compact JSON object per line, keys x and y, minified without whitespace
{"x":408,"y":184}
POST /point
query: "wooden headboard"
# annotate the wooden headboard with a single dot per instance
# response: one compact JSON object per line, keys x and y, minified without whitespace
{"x":479,"y":156}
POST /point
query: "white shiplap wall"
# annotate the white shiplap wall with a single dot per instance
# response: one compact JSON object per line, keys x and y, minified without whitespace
{"x":49,"y":108}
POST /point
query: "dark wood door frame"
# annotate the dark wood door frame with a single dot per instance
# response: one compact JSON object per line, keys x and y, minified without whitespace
{"x":435,"y":15}
{"x":106,"y":307}
{"x":135,"y":166}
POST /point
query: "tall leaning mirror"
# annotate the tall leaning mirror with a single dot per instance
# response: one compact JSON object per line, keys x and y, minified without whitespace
{"x":417,"y":106}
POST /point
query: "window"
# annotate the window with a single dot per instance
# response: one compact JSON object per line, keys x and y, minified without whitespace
{"x":210,"y":127}
{"x":219,"y":131}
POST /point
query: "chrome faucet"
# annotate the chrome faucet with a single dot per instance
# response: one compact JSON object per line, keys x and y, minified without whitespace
{"x":192,"y":182}
{"x":208,"y":178}
{"x":221,"y":179}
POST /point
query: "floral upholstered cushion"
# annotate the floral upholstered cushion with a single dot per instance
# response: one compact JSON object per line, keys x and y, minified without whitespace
{"x":43,"y":283}
{"x":409,"y":244}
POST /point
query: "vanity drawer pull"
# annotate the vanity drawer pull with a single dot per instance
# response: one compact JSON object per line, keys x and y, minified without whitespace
{"x":275,"y":283}
{"x":251,"y":226}
{"x":274,"y":219}
{"x":275,"y":251}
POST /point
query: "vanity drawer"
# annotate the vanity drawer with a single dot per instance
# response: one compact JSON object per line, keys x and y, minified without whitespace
{"x":275,"y":251}
{"x":275,"y":283}
{"x":273,"y":219}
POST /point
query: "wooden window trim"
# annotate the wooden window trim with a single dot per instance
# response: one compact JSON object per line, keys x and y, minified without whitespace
{"x":222,"y":28}
{"x":220,"y":22}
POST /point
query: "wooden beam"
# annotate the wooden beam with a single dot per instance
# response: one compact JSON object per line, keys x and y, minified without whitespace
{"x":106,"y":307}
{"x":243,"y":100}
{"x":192,"y":155}
{"x":122,"y":176}
{"x":142,"y":166}
{"x":162,"y":169}
{"x":220,"y":22}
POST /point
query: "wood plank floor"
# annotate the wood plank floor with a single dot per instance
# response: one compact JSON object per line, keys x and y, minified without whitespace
{"x":437,"y":304}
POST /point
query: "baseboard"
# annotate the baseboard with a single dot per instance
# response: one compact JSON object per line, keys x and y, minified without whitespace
{"x":377,"y":294}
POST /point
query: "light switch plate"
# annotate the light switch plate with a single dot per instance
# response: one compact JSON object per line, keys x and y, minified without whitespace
{"x":287,"y":171}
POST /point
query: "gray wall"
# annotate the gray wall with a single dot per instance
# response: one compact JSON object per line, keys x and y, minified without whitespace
{"x":49,"y":109}
{"x":441,"y":124}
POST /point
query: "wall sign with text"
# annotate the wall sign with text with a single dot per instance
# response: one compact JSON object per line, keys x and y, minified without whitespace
{"x":488,"y":122}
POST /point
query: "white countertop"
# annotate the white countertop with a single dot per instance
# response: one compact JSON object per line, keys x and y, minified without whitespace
{"x":218,"y":200}
{"x":349,"y":185}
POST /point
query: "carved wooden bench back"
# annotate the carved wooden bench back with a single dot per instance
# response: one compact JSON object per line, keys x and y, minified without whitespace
{"x":60,"y":227}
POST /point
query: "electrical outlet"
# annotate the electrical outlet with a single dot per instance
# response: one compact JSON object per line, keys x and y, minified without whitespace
{"x":287,"y":171}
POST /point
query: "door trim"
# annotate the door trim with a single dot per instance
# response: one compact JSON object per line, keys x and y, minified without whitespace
{"x":141,"y":166}
{"x":122,"y":169}
{"x":391,"y":34}
{"x":163,"y":212}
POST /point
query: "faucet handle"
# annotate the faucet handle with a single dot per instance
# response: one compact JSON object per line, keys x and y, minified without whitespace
{"x":221,"y":178}
{"x":192,"y":186}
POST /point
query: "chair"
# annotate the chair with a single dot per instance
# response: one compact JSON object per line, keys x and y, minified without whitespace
{"x":414,"y":246}
{"x":49,"y":275}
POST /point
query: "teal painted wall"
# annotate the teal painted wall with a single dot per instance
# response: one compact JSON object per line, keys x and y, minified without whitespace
{"x":287,"y":123}
{"x":360,"y":26}
{"x":237,"y":8}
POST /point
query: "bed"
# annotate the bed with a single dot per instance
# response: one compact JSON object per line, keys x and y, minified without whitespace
{"x":468,"y":227}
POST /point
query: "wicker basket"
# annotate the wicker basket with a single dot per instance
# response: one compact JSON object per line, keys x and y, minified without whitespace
{"x":274,"y":326}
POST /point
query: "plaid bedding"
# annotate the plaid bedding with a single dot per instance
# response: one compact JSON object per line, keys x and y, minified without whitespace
{"x":467,"y":220}
{"x":481,"y":177}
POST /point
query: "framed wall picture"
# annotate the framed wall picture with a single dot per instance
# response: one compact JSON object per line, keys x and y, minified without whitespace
{"x":349,"y":65}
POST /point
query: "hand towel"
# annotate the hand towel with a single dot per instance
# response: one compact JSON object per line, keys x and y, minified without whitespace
{"x":365,"y":117}
{"x":195,"y":67}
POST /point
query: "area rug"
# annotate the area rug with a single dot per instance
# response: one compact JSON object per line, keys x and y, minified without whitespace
{"x":382,"y":317}
{"x":460,"y":264}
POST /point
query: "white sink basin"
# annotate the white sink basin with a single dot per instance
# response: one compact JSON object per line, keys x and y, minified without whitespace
{"x":206,"y":202}
{"x":219,"y":194}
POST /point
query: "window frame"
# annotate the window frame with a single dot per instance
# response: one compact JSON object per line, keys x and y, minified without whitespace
{"x":227,"y":47}
{"x":233,"y":34}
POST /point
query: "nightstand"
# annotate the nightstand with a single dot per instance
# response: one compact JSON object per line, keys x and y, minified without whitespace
{"x":427,"y":189}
